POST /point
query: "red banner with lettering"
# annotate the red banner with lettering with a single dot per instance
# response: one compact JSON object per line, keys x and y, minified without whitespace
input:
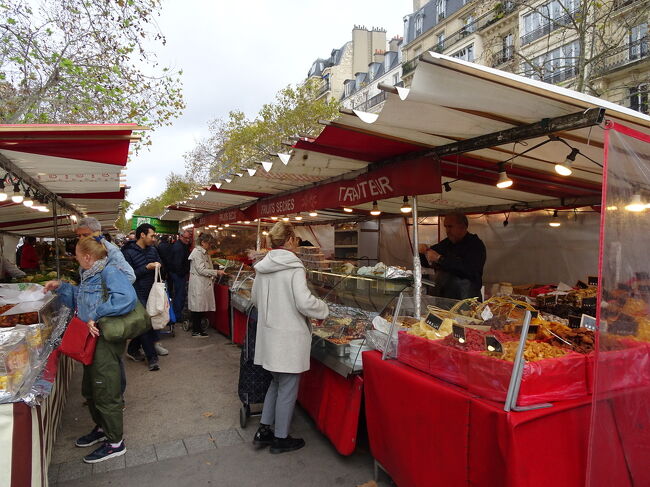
{"x":222,"y":217}
{"x":419,"y":176}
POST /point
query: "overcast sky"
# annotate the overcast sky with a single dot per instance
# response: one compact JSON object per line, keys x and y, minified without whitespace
{"x":237,"y":55}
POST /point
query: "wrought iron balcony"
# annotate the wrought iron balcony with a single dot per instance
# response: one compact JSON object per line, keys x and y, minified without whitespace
{"x":625,"y":55}
{"x":560,"y":76}
{"x":325,"y":87}
{"x":506,"y":54}
{"x":549,"y":27}
{"x":374,"y":101}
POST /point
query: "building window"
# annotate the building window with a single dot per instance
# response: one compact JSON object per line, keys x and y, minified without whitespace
{"x":555,"y":66}
{"x":466,"y":54}
{"x":469,"y":26}
{"x":638,"y":41}
{"x":419,"y":22}
{"x":507,"y":47}
{"x":639,"y":98}
{"x":396,"y":79}
{"x":348,"y":88}
{"x":441,"y":9}
{"x":440,"y":43}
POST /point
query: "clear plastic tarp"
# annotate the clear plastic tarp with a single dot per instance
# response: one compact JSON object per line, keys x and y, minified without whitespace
{"x":619,"y":370}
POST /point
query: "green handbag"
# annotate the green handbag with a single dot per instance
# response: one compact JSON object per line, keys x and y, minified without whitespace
{"x":130,"y":325}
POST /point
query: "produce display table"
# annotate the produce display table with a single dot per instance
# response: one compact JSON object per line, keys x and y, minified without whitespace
{"x":27,"y":434}
{"x":220,"y":319}
{"x":427,"y":432}
{"x":334,"y":403}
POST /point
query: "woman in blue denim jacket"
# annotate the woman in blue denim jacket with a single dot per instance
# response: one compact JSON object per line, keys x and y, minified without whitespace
{"x":104,"y":291}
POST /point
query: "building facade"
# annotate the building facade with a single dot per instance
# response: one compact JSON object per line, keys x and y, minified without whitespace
{"x":606,"y":56}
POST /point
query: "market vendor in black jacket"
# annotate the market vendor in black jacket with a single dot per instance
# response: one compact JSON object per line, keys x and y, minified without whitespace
{"x":458,"y":260}
{"x":142,"y":255}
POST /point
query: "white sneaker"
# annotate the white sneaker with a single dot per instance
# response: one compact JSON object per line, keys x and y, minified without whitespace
{"x":160,"y":350}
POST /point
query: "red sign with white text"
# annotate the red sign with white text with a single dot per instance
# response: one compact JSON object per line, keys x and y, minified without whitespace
{"x":419,"y":176}
{"x":223,"y":217}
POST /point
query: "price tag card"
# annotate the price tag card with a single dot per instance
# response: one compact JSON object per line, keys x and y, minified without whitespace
{"x":581,"y":285}
{"x":574,"y":321}
{"x":493,"y":344}
{"x":589,"y":306}
{"x":588,"y":322}
{"x":459,"y":333}
{"x":433,"y":321}
{"x":592,"y":280}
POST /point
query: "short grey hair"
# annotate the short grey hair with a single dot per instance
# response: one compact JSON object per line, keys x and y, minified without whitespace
{"x":206,"y":237}
{"x":90,"y":223}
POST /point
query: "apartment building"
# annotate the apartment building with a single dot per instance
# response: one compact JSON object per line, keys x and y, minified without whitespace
{"x":540,"y":40}
{"x":366,"y":46}
{"x":362,"y":92}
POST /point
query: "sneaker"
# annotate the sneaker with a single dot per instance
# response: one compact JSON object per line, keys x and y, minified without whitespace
{"x":136,"y":356}
{"x":105,"y":452}
{"x":95,"y":436}
{"x":283,"y":445}
{"x":160,"y":350}
{"x":264,"y":436}
{"x":153,"y":365}
{"x":199,"y":334}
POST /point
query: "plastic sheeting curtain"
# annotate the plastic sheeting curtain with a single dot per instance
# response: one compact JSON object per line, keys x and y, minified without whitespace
{"x":619,"y":371}
{"x":320,"y":235}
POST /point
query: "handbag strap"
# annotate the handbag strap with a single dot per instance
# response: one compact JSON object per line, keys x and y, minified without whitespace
{"x":157,"y":277}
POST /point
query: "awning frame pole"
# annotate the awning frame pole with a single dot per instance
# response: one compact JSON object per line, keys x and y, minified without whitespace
{"x":56,"y":239}
{"x":258,"y":245}
{"x":417,"y":268}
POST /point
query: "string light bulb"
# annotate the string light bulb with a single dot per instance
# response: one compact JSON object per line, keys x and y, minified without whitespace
{"x":504,"y":181}
{"x":564,"y":169}
{"x":17,"y":197}
{"x":375,"y":209}
{"x":274,"y":218}
{"x":285,"y":218}
{"x":347,"y":210}
{"x":265,"y":232}
{"x":635,"y":205}
{"x":298,"y":218}
{"x":555,"y":220}
{"x":313,"y":213}
{"x":28,"y":201}
{"x":406,"y":206}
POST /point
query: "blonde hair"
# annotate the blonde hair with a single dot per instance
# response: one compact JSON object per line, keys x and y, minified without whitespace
{"x":280,"y":233}
{"x":92,"y":247}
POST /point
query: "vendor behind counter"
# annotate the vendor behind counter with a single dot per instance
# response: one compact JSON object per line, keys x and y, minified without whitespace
{"x":458,"y":260}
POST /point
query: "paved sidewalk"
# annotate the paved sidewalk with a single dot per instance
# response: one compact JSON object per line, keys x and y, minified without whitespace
{"x":182,"y":429}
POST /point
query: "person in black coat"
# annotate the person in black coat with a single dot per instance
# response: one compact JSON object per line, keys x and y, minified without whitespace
{"x":142,"y":255}
{"x":178,"y":267}
{"x":458,"y":260}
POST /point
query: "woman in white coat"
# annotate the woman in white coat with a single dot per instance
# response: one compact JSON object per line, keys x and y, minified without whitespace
{"x":283,"y":345}
{"x":200,"y":290}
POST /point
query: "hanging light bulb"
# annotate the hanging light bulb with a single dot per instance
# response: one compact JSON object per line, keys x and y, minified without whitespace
{"x":298,"y":217}
{"x":219,"y":228}
{"x":555,"y":221}
{"x":27,"y":200}
{"x":636,"y":204}
{"x":375,"y":209}
{"x":313,"y":213}
{"x":247,"y":222}
{"x":285,"y":218}
{"x":17,"y":196}
{"x":564,"y":169}
{"x":264,"y":232}
{"x":274,"y":218}
{"x":226,"y":225}
{"x":233,"y":235}
{"x":347,"y":210}
{"x":447,"y":187}
{"x":504,"y":181}
{"x":406,"y":206}
{"x":3,"y":192}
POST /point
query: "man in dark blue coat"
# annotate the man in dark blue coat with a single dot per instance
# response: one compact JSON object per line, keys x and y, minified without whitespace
{"x":142,"y":255}
{"x":178,"y":267}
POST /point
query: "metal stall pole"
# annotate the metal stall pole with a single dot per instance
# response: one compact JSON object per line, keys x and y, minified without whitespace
{"x":417,"y":268}
{"x":258,"y":245}
{"x":56,"y":239}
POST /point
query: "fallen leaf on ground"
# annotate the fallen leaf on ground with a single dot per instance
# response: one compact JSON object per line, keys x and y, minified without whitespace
{"x":208,"y":414}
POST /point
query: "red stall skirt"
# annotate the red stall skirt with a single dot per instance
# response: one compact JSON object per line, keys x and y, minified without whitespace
{"x":334,"y":403}
{"x":220,"y":319}
{"x":239,"y":326}
{"x":426,"y":432}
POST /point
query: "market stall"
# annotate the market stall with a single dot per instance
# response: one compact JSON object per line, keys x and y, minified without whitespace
{"x":53,"y":175}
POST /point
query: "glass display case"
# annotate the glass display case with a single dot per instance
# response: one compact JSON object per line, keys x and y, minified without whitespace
{"x":354,"y":302}
{"x":240,"y":279}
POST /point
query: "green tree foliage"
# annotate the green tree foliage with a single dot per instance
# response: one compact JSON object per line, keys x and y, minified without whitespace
{"x":123,"y":223}
{"x":178,"y":188}
{"x":240,"y":143}
{"x":84,"y":61}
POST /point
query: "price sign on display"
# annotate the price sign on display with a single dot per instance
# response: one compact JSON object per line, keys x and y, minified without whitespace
{"x":581,"y":285}
{"x":574,"y":321}
{"x":459,"y":333}
{"x":589,"y":306}
{"x":433,"y":321}
{"x":492,"y":344}
{"x":588,"y":322}
{"x":592,"y":280}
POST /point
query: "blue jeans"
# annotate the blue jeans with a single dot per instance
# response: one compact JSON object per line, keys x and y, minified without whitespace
{"x":179,"y":291}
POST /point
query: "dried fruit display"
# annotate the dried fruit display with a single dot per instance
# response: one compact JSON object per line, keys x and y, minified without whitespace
{"x":533,"y":352}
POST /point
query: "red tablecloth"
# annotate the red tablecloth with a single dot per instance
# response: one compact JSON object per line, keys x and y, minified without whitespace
{"x":220,"y":319}
{"x":239,"y":326}
{"x":427,"y":432}
{"x":334,"y":403}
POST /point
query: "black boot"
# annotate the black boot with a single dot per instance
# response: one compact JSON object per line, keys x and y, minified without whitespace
{"x":264,"y":436}
{"x":283,"y":445}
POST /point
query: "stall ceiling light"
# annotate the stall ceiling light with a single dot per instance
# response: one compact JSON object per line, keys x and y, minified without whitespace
{"x":285,"y":218}
{"x":265,"y":232}
{"x":17,"y":196}
{"x":504,"y":181}
{"x":313,"y":213}
{"x":347,"y":210}
{"x":636,"y":204}
{"x":564,"y":169}
{"x":274,"y":218}
{"x":226,"y":225}
{"x":406,"y":206}
{"x":298,"y":218}
{"x":555,"y":221}
{"x":375,"y":209}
